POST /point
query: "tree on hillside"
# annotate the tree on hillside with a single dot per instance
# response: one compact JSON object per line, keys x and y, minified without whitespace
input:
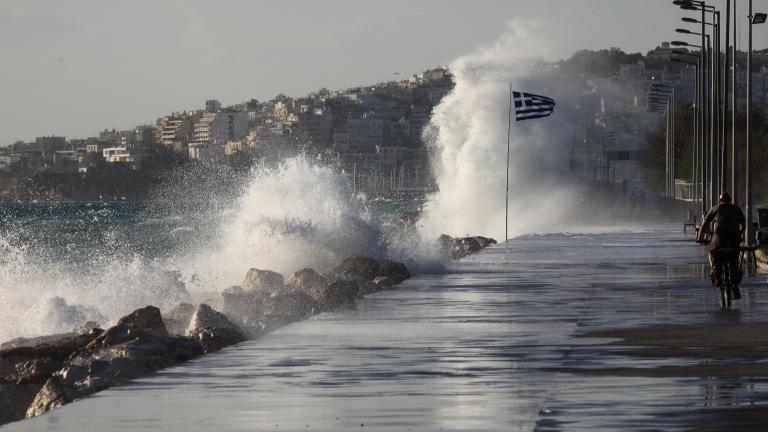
{"x":598,"y":64}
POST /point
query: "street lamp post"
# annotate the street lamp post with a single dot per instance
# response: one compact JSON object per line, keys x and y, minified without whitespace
{"x":711,"y":96}
{"x":734,"y":109}
{"x":662,"y":91}
{"x":753,"y":19}
{"x":705,"y":123}
{"x":695,"y":178}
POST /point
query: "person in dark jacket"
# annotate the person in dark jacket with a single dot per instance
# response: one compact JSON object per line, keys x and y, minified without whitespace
{"x":729,"y":227}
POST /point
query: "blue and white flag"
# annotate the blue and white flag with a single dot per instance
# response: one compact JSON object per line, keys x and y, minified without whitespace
{"x":530,"y":106}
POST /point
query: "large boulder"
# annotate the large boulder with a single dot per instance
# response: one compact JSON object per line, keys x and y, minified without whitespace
{"x":244,"y":308}
{"x":485,"y":241}
{"x":334,"y":294}
{"x":177,"y":318}
{"x":146,"y":318}
{"x":358,"y":267}
{"x":36,"y":370}
{"x":129,"y":352}
{"x":5,"y":406}
{"x":287,"y":306}
{"x":394,"y":270}
{"x":307,"y":280}
{"x":14,"y":400}
{"x":455,"y":248}
{"x":213,"y":330}
{"x":58,"y":346}
{"x":138,"y":323}
{"x":52,"y":395}
{"x":263,"y":280}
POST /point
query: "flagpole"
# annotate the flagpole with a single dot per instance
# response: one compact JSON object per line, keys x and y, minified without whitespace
{"x":506,"y":201}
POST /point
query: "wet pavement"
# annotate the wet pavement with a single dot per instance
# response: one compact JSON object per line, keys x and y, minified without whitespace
{"x":483,"y":347}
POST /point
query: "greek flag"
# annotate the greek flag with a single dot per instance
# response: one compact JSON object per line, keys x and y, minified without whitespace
{"x":530,"y":106}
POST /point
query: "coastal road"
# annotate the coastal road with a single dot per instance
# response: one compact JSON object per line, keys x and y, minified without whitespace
{"x":495,"y":343}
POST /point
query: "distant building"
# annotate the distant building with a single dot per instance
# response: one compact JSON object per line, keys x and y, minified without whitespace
{"x":134,"y":156}
{"x":204,"y":151}
{"x":174,"y":131}
{"x":220,"y":127}
{"x":317,"y":123}
{"x":362,"y":135}
{"x":66,"y":161}
{"x":96,"y":147}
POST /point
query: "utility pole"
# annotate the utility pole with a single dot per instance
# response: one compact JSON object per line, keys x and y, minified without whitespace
{"x":748,"y":197}
{"x":724,"y":137}
{"x":734,"y":122}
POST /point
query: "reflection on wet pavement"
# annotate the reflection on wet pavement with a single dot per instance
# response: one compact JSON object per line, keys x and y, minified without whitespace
{"x":491,"y":345}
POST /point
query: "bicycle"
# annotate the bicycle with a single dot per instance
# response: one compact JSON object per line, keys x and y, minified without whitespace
{"x":727,"y":271}
{"x":726,"y":274}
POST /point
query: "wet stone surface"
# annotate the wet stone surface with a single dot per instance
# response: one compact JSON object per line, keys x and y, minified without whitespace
{"x":491,"y":345}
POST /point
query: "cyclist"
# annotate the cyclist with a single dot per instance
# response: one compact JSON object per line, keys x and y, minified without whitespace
{"x":730,"y":224}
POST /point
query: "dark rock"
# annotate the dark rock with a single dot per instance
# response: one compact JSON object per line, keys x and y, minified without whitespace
{"x":112,"y":363}
{"x":57,"y":347}
{"x":307,"y":280}
{"x":146,"y":318}
{"x":49,"y":340}
{"x":287,"y":306}
{"x":213,"y":330}
{"x":335,"y":294}
{"x":36,"y":370}
{"x":177,"y":319}
{"x":5,"y":406}
{"x":263,"y":280}
{"x":366,"y":287}
{"x":52,"y":395}
{"x":468,"y":245}
{"x":244,"y":308}
{"x":14,"y":400}
{"x":395,"y":271}
{"x":456,"y":248}
{"x":362,"y":267}
{"x":485,"y":241}
{"x":128,"y":328}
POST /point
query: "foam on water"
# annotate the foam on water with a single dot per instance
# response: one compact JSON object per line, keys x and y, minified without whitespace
{"x":299,"y":215}
{"x":295,"y":216}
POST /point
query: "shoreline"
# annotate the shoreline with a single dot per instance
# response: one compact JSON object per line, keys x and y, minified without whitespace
{"x":43,"y":373}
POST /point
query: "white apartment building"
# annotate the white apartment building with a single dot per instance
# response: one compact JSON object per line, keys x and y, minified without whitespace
{"x":220,"y":127}
{"x":135,"y":156}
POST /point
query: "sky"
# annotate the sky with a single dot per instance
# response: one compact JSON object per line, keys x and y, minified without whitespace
{"x":79,"y":66}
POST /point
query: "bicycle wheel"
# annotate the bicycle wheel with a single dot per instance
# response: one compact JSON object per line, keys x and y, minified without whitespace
{"x":725,"y":297}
